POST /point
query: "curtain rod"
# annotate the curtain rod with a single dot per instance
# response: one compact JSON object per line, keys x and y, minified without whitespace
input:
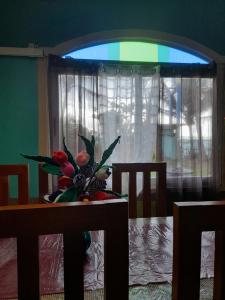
{"x":166,"y":69}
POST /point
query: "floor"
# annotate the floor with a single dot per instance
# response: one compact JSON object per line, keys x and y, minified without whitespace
{"x":148,"y":292}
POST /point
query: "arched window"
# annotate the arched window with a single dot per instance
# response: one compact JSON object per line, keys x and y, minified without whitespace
{"x":136,"y":52}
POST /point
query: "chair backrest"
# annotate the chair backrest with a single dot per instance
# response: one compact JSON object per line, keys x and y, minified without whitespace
{"x":27,"y":222}
{"x":146,"y":169}
{"x":190,"y":220}
{"x":21,"y":171}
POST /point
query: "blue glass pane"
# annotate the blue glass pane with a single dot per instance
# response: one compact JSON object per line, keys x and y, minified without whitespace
{"x":178,"y":56}
{"x":96,"y":52}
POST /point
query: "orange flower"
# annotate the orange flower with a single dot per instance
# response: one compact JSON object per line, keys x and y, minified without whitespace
{"x":60,"y":157}
{"x":82,"y":158}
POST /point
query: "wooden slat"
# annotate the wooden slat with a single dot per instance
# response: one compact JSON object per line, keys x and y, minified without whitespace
{"x":73,"y":266}
{"x":28,"y":267}
{"x":161,"y":204}
{"x":190,"y":220}
{"x":116,"y":263}
{"x":116,"y":180}
{"x":219,"y":266}
{"x":4,"y":190}
{"x":186,"y":259}
{"x":132,"y":195}
{"x":23,"y":185}
{"x":146,"y":194}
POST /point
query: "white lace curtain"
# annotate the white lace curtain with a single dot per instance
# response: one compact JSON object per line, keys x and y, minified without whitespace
{"x":158,"y":118}
{"x":117,"y":101}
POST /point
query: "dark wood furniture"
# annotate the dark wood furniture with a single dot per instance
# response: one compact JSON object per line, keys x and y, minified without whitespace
{"x":190,"y":220}
{"x":27,"y":222}
{"x":21,"y":171}
{"x":146,"y":169}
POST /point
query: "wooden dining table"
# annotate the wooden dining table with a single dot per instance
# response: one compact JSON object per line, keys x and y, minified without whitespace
{"x":150,"y":258}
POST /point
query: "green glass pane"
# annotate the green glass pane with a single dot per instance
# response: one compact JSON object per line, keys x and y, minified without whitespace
{"x":153,"y":53}
{"x":133,"y":51}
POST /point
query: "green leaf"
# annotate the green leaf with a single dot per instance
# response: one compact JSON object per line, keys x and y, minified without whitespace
{"x":39,"y":158}
{"x":107,"y":167}
{"x":70,"y":195}
{"x":107,"y":153}
{"x":55,"y":170}
{"x":70,"y":157}
{"x":89,"y":148}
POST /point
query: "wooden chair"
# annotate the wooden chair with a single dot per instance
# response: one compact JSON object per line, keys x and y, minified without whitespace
{"x":27,"y":222}
{"x":190,"y":220}
{"x":146,"y":169}
{"x":23,"y":183}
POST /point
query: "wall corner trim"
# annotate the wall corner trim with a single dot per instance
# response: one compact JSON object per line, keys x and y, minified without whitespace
{"x":14,"y":51}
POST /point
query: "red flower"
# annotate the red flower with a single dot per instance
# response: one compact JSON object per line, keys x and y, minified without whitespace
{"x":103,"y":196}
{"x":64,"y":182}
{"x":60,"y":157}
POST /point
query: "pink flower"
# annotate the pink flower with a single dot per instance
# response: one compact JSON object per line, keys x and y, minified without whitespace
{"x":67,"y":169}
{"x":82,"y":158}
{"x":60,"y":157}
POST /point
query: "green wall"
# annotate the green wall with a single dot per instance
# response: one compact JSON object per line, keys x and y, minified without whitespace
{"x":47,"y":23}
{"x":19,"y":114}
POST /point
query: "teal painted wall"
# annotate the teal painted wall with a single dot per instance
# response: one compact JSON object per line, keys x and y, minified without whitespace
{"x":19,"y":114}
{"x":50,"y":22}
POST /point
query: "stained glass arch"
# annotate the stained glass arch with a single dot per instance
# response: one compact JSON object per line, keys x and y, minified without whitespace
{"x":137,"y":52}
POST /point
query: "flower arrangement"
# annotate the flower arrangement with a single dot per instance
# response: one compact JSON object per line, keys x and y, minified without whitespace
{"x":80,"y":178}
